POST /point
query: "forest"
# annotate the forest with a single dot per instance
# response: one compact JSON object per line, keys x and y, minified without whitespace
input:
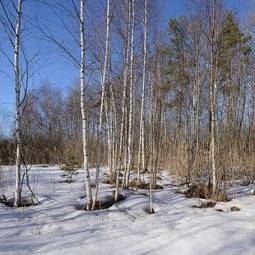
{"x":156,"y":132}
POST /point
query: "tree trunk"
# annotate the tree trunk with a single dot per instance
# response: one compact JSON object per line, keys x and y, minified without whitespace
{"x":83,"y":111}
{"x":131,"y":98}
{"x":17,"y":197}
{"x":141,"y":156}
{"x":213,"y":88}
{"x":99,"y":136}
{"x":151,"y":146}
{"x":109,"y":140}
{"x":123,"y":108}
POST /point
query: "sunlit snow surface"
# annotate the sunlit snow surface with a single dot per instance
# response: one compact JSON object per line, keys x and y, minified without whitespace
{"x":56,"y":227}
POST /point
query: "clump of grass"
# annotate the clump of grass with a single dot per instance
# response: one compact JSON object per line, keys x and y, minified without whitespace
{"x":207,"y":204}
{"x":25,"y":202}
{"x":150,"y":211}
{"x":142,"y":185}
{"x":205,"y":192}
{"x":70,"y":167}
{"x":109,"y":180}
{"x":235,"y":209}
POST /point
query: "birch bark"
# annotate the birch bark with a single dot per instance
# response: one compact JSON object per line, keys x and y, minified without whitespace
{"x":99,"y":137}
{"x":83,"y":111}
{"x":131,"y":97}
{"x":123,"y":108}
{"x":17,"y":195}
{"x":213,"y":87}
{"x":141,"y":156}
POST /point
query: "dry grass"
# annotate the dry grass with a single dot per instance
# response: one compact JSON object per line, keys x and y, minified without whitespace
{"x":143,"y":185}
{"x":235,"y":209}
{"x":205,"y":192}
{"x":233,"y":162}
{"x":207,"y":204}
{"x":10,"y":202}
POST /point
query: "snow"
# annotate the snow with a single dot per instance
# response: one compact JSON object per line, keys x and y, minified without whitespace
{"x":57,"y":227}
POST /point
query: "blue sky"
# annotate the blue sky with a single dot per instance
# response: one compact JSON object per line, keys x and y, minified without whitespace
{"x":58,"y":70}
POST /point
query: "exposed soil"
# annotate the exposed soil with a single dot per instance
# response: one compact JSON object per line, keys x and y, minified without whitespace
{"x":10,"y":202}
{"x":104,"y":204}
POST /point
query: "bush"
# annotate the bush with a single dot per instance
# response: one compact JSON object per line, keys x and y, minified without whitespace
{"x":205,"y":192}
{"x":71,"y":166}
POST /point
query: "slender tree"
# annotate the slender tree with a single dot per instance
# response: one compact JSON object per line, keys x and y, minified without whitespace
{"x":141,"y":153}
{"x":17,"y":198}
{"x":83,"y":111}
{"x":213,"y":89}
{"x":131,"y":98}
{"x":99,"y":136}
{"x":124,"y":94}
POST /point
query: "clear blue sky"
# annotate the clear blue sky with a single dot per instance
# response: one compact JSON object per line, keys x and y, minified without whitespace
{"x":57,"y":69}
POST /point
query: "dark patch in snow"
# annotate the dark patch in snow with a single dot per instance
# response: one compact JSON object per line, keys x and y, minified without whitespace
{"x":66,"y":181}
{"x":235,"y":209}
{"x":150,"y":211}
{"x":25,"y":202}
{"x":207,"y":204}
{"x":205,"y":192}
{"x":143,"y":185}
{"x":103,"y":204}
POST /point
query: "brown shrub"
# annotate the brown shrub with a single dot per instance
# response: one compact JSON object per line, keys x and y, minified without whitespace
{"x":235,"y":209}
{"x":208,"y":204}
{"x":143,"y":185}
{"x":205,"y":192}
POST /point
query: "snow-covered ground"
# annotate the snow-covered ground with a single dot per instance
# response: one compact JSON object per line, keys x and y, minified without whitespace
{"x":57,"y":227}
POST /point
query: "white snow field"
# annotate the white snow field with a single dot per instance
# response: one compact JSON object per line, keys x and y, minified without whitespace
{"x":56,"y":227}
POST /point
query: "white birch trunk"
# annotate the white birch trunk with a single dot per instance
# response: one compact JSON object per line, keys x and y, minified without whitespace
{"x":123,"y":109}
{"x":195,"y":113}
{"x":213,"y":88}
{"x":109,"y":140}
{"x":107,"y":43}
{"x":83,"y":111}
{"x":141,"y":156}
{"x":151,"y":147}
{"x":17,"y":196}
{"x":113,"y":129}
{"x":131,"y":97}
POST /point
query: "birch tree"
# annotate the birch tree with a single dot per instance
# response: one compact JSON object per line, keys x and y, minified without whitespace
{"x":124,"y":93}
{"x":196,"y":87}
{"x":106,"y":57}
{"x":17,"y":197}
{"x":151,"y":144}
{"x":83,"y":111}
{"x":14,"y":35}
{"x":22,"y":65}
{"x":213,"y":89}
{"x":131,"y":98}
{"x":141,"y":153}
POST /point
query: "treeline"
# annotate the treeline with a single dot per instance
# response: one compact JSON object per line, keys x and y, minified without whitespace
{"x":181,"y":99}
